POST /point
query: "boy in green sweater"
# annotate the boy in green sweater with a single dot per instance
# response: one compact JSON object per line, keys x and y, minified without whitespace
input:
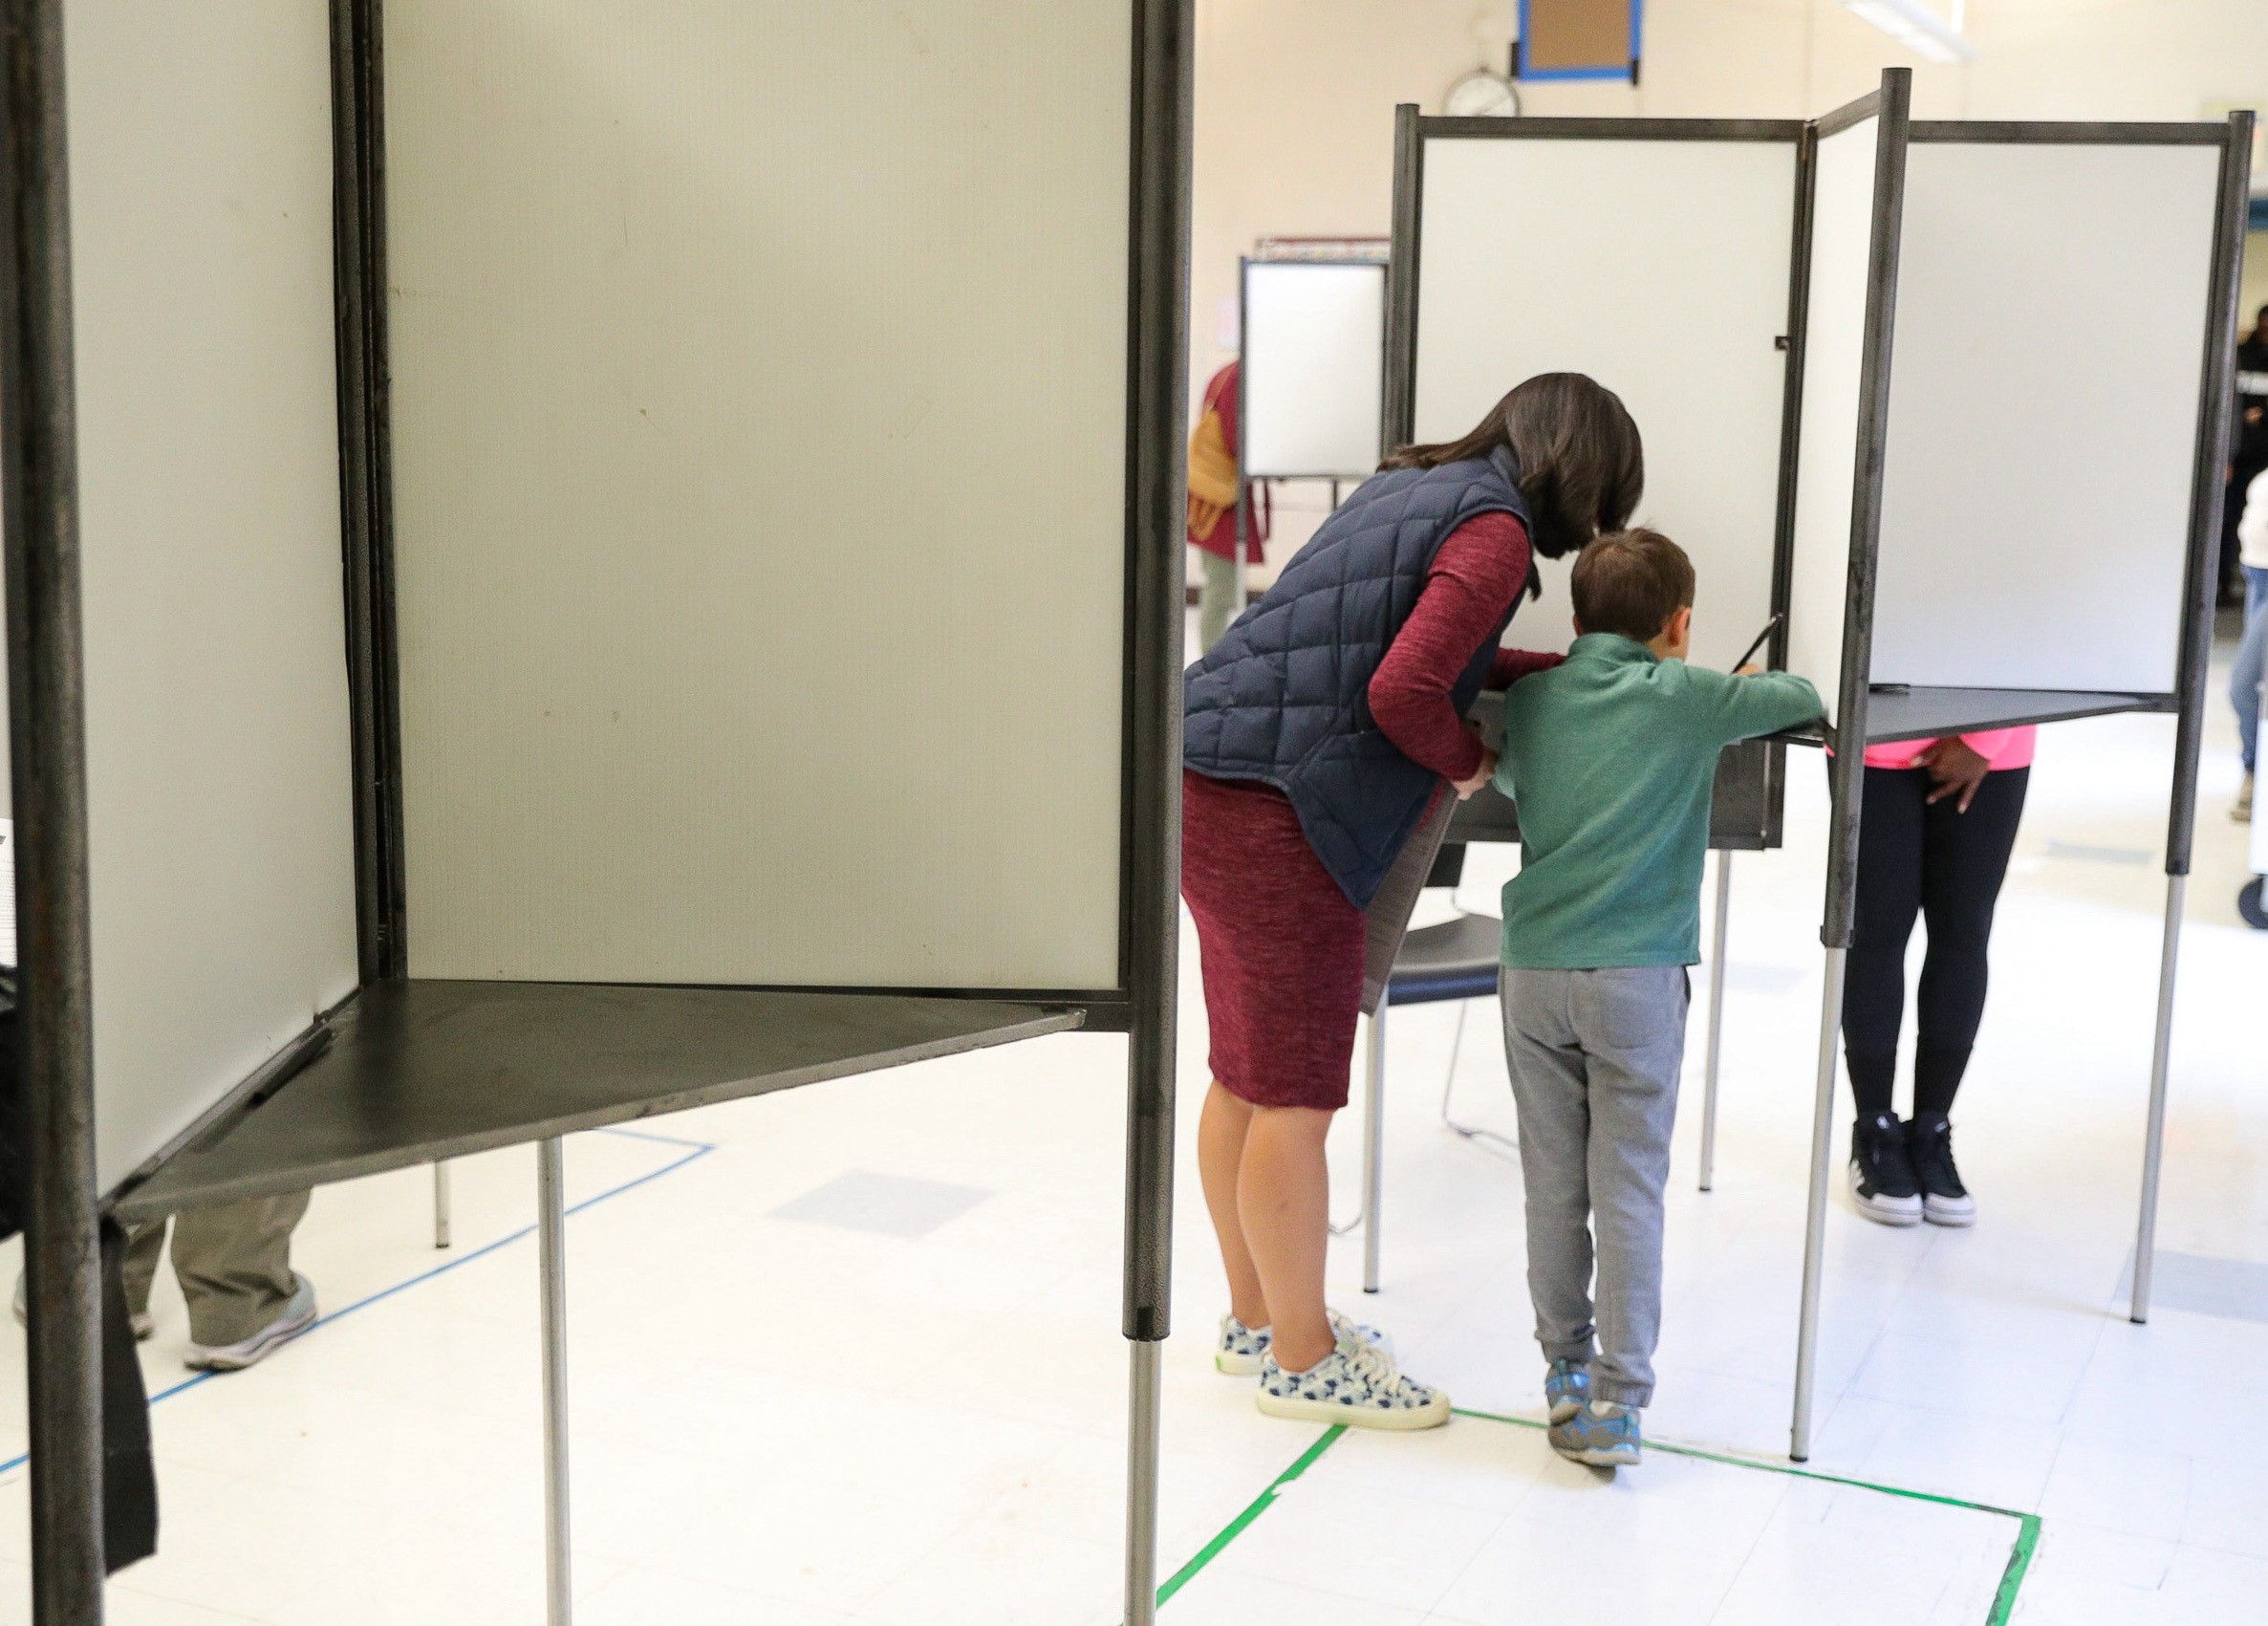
{"x":1610,"y":758}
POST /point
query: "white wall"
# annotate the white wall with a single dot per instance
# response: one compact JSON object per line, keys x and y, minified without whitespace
{"x":1295,"y":97}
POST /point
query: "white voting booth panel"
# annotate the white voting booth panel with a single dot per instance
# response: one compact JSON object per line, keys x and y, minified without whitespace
{"x":1660,"y":269}
{"x":1314,"y":362}
{"x":2053,"y":301}
{"x":610,"y":583}
{"x":1835,"y":324}
{"x":760,"y":489}
{"x":221,"y":830}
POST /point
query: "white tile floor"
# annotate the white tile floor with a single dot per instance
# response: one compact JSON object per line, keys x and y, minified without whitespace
{"x":787,"y":1421}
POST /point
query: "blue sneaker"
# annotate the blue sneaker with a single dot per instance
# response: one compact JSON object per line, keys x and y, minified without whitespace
{"x":1600,"y":1434}
{"x":1567,"y":1386}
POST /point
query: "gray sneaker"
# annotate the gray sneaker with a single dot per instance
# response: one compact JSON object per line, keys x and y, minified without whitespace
{"x":296,"y":1316}
{"x":1567,"y":1386}
{"x":141,"y":1321}
{"x":1599,"y":1438}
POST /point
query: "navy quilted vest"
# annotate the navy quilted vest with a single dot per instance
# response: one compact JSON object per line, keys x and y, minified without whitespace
{"x":1285,"y":696}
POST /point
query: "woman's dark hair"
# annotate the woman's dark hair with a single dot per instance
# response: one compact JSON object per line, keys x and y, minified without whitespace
{"x":1582,"y":467}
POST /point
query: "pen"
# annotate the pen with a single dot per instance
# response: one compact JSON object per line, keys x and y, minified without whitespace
{"x":1758,"y":644}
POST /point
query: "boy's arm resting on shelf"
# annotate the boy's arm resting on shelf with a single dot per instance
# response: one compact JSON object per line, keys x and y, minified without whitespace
{"x":1763,"y":703}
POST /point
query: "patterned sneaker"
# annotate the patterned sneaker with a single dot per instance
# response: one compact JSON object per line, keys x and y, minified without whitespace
{"x":1356,"y":1384}
{"x":296,"y":1316}
{"x":1600,"y":1434}
{"x":1565,"y":1388}
{"x":1242,"y":1348}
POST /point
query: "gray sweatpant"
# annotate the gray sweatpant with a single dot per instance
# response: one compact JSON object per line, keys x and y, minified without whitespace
{"x":1594,"y":1057}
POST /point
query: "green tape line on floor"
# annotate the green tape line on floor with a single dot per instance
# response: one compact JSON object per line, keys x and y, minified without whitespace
{"x":2012,"y":1578}
{"x":1259,"y":1505}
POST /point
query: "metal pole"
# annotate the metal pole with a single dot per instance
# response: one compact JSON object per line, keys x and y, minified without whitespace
{"x":1815,"y":1215}
{"x":1142,"y":1442}
{"x":551,"y":1202}
{"x":1374,"y":1146}
{"x":1725,"y":904}
{"x":2216,"y":402}
{"x":2153,"y":1145}
{"x":1845,"y":772}
{"x":441,"y":1203}
{"x":39,"y":493}
{"x":1157,"y":496}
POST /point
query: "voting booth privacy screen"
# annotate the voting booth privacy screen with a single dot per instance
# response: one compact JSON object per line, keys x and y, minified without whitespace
{"x":221,"y":829}
{"x":1313,"y":368}
{"x":754,"y":607}
{"x":1953,"y":398}
{"x":1682,"y":314}
{"x":2036,"y":486}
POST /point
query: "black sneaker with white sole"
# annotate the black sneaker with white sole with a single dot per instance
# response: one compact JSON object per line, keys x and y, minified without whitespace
{"x":1882,"y":1178}
{"x":1944,"y":1200}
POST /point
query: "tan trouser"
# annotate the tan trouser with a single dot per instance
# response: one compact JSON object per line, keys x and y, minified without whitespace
{"x":234,"y":1264}
{"x":1215,"y":599}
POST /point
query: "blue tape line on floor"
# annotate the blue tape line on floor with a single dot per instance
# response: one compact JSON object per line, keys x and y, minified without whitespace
{"x":699,"y":1149}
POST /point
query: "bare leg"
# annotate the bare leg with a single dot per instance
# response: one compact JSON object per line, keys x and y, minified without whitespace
{"x":1284,"y":1197}
{"x":1220,"y":1159}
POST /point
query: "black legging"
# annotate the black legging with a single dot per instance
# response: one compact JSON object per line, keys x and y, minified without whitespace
{"x":1948,"y":866}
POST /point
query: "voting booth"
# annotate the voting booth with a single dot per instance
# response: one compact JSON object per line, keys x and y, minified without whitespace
{"x":1514,"y":254}
{"x":512,"y":623}
{"x":1310,"y":375}
{"x":1946,"y":399}
{"x":2030,"y":327}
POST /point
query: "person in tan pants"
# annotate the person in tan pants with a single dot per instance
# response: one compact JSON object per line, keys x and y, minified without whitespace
{"x":234,"y":1265}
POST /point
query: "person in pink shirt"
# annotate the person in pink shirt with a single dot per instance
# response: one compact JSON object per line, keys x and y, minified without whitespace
{"x":1937,"y":826}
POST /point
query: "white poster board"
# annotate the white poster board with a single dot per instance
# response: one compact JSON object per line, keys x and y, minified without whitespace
{"x":219,"y":780}
{"x":1659,"y":267}
{"x":2053,"y":301}
{"x":1834,"y":367}
{"x":1314,"y":366}
{"x":760,"y":433}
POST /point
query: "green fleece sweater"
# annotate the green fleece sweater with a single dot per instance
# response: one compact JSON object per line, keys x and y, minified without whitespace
{"x":1612,"y":758}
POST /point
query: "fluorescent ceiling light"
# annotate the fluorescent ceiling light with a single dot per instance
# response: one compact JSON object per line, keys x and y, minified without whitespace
{"x":1917,"y":28}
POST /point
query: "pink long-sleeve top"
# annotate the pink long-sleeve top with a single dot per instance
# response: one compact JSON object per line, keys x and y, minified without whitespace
{"x":2001,"y":747}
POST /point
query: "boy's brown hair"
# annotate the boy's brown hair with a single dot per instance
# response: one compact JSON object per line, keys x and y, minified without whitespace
{"x":1632,"y":582}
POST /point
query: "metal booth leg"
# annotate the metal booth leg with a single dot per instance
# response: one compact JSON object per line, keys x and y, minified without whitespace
{"x":552,"y":1249}
{"x":1815,"y":1219}
{"x":1373,"y":1145}
{"x":1142,"y":1442}
{"x":441,"y":1203}
{"x":1724,"y":903}
{"x":2154,"y":1146}
{"x":39,"y":462}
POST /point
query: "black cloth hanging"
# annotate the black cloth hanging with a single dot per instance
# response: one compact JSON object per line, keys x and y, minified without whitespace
{"x":129,"y":1478}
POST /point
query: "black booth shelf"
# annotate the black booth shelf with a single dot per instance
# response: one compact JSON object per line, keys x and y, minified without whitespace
{"x":418,"y":1070}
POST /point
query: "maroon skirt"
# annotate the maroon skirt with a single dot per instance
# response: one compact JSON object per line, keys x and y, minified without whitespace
{"x":1281,"y":946}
